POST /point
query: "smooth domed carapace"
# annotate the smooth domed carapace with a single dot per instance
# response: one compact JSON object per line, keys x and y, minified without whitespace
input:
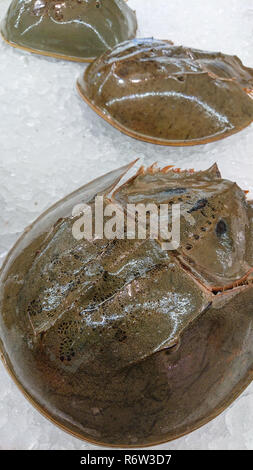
{"x":169,"y":95}
{"x":120,"y":341}
{"x":79,"y":30}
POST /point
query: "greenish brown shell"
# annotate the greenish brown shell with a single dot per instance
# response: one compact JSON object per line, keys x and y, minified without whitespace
{"x":118,"y":341}
{"x":79,"y":30}
{"x":169,"y":95}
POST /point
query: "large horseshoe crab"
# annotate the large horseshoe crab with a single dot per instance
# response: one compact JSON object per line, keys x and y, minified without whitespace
{"x":78,"y":30}
{"x":119,"y":341}
{"x":169,"y":95}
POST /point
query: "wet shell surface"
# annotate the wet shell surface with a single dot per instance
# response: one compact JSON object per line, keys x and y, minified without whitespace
{"x":118,"y":341}
{"x":169,"y":95}
{"x":78,"y":30}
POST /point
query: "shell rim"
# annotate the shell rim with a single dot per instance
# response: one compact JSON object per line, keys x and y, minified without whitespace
{"x":47,"y":54}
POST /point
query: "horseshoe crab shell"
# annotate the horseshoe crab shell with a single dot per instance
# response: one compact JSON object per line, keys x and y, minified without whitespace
{"x":78,"y":30}
{"x":118,"y":341}
{"x":169,"y":95}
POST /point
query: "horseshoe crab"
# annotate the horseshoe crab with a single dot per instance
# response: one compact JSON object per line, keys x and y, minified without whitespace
{"x":78,"y":30}
{"x":169,"y":95}
{"x":118,"y":341}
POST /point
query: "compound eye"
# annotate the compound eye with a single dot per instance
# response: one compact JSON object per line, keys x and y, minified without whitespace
{"x":221,"y":228}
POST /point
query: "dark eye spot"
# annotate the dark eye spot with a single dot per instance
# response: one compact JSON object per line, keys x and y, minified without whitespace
{"x":199,"y":205}
{"x":221,"y":228}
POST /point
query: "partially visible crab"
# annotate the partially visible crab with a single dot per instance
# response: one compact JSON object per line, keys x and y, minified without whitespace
{"x":78,"y":30}
{"x":169,"y":95}
{"x":118,"y":341}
